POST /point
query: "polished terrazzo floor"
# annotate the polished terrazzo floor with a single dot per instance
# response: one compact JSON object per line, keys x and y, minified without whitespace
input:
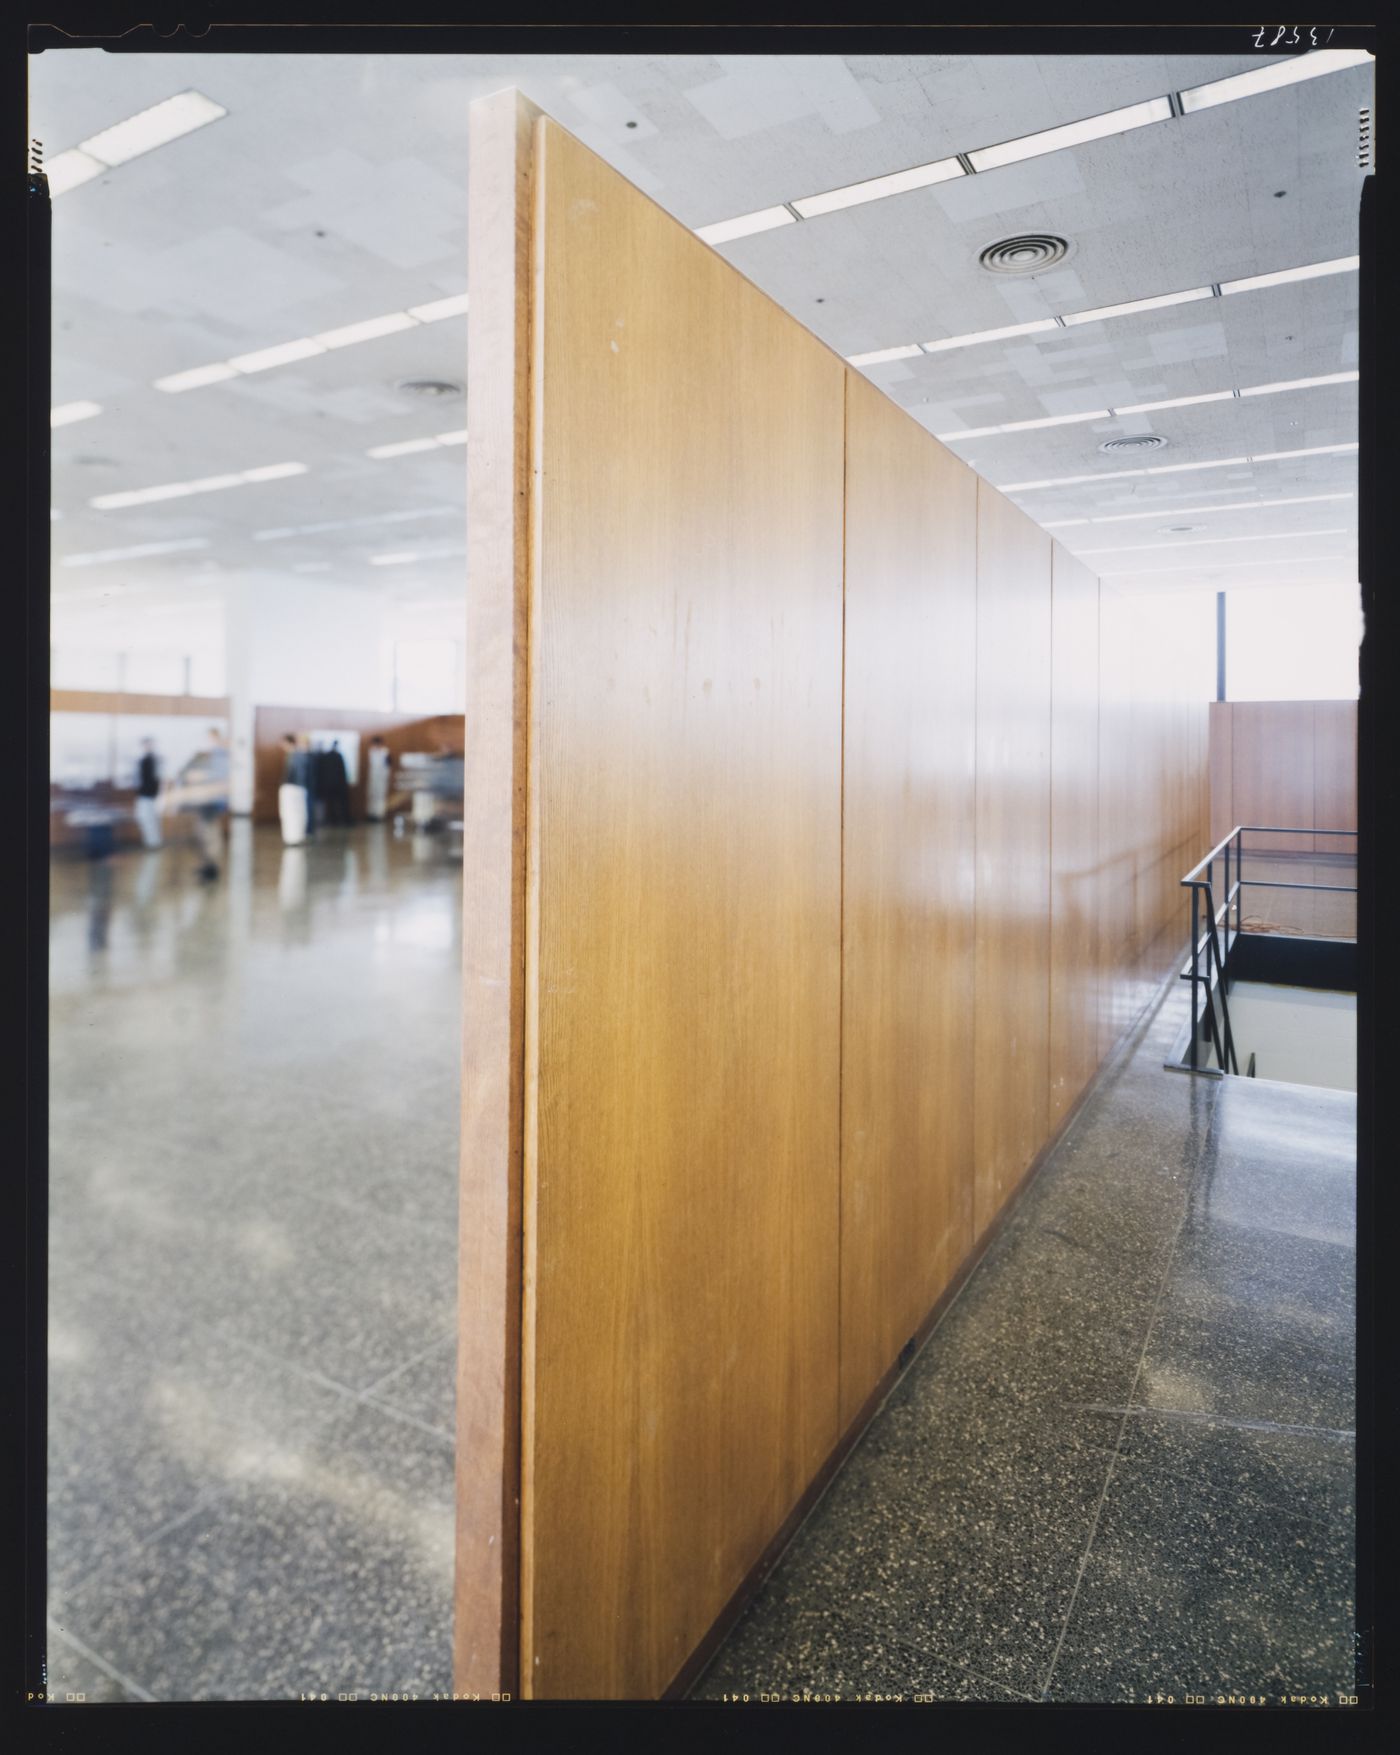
{"x":1121,"y":1466}
{"x":254,"y":1096}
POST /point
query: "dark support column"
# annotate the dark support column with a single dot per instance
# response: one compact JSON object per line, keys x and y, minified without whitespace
{"x":1220,"y":645}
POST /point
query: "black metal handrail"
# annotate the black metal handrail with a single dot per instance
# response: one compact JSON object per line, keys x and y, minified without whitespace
{"x":1208,"y":944}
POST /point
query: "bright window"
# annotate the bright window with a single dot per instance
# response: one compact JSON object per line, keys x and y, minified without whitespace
{"x":1292,"y":643}
{"x":425,"y":676}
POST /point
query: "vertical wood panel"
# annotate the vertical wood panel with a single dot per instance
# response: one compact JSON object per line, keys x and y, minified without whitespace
{"x":1272,"y":771}
{"x":1074,"y":836}
{"x":1117,"y":946}
{"x":1334,"y":771}
{"x":682,"y":1169}
{"x":1222,"y":797}
{"x":909,"y":840}
{"x":486,"y":1614}
{"x":1012,"y":1035}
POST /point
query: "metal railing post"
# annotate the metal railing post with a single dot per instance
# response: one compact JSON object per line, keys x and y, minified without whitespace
{"x":1195,"y":977}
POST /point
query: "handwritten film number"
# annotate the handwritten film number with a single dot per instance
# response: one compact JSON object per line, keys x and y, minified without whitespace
{"x":1288,"y":36}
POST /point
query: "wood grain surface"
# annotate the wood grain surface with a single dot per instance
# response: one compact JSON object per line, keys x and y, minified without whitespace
{"x":1272,"y":771}
{"x":1074,"y":831}
{"x":1012,"y":1075}
{"x":486,"y":1612}
{"x":1118,"y":851}
{"x":1222,"y":797}
{"x":1334,"y":772}
{"x":681,"y":1195}
{"x":823,"y":834}
{"x":910,"y":832}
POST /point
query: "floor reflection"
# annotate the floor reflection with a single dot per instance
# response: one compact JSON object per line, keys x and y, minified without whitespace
{"x":253,"y":1168}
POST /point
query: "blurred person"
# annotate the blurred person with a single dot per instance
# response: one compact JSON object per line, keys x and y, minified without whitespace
{"x":294,"y":798}
{"x":377,"y":779}
{"x":100,"y":905}
{"x":336,"y":786}
{"x":311,"y":780}
{"x":147,"y":792}
{"x":201,"y":788}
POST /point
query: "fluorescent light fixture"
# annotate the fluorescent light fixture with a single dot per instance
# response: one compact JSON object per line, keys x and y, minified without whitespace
{"x":1182,"y":468}
{"x":1063,"y":523}
{"x":366,"y":331}
{"x":1301,"y":384}
{"x":393,"y":560}
{"x":273,"y":471}
{"x":1286,"y":276}
{"x":1052,"y":420}
{"x":876,"y":188}
{"x":68,"y":169}
{"x":97,"y":556}
{"x":195,"y":378}
{"x":276,"y":356}
{"x":1308,"y":451}
{"x":1025,"y":487}
{"x":1040,"y":325}
{"x":987,"y":158}
{"x":747,"y":223}
{"x":66,"y":413}
{"x":1210,"y":568}
{"x":1277,"y":73}
{"x":176,"y":490}
{"x":1234,"y":506}
{"x":402,"y":448}
{"x":1025,"y":426}
{"x":1211,"y":541}
{"x":439,"y":308}
{"x":882,"y":355}
{"x":159,"y":125}
{"x":969,"y":433}
{"x":1124,"y":310}
{"x":411,"y":515}
{"x":405,"y":447}
{"x":1176,"y":402}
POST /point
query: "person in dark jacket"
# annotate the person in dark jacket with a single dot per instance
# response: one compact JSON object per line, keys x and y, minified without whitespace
{"x":335,"y":785}
{"x":296,"y":771}
{"x":147,"y":792}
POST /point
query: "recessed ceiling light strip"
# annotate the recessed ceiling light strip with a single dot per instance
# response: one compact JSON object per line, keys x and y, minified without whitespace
{"x":1019,"y":426}
{"x":141,"y":549}
{"x":1131,"y":307}
{"x":1195,"y":511}
{"x":1211,"y":541}
{"x":205,"y":484}
{"x":405,"y":447}
{"x":1270,"y":78}
{"x":1210,"y":568}
{"x":66,"y":413}
{"x":351,"y":335}
{"x":1025,"y":487}
{"x":157,"y":126}
{"x":987,"y":158}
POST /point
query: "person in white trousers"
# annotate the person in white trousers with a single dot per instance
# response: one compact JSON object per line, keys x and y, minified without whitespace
{"x":147,"y":792}
{"x":377,"y":780}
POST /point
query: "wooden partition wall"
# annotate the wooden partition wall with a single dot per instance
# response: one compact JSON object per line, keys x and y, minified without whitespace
{"x":1290,"y":764}
{"x":824,"y":822}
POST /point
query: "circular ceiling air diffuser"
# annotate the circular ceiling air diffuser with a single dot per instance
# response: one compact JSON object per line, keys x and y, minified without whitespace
{"x":1028,"y":254}
{"x":1134,"y":442}
{"x":438,"y":388}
